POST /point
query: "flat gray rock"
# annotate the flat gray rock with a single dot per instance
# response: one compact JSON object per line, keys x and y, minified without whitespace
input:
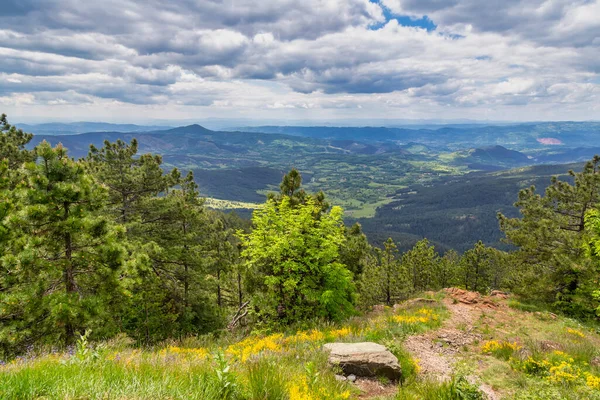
{"x":364,"y":359}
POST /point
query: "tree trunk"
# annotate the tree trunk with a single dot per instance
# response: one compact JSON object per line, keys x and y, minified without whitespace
{"x":69,"y":278}
{"x":240,"y":294}
{"x":219,"y":288}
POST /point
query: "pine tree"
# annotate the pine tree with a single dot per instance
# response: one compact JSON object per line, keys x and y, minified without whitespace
{"x":550,"y":237}
{"x":12,"y":144}
{"x":130,"y":179}
{"x":291,"y":188}
{"x":177,"y":236}
{"x":12,"y":155}
{"x":592,"y":223}
{"x":384,"y":279}
{"x":422,"y":262}
{"x":232,"y":276}
{"x":483,"y":268}
{"x":447,"y":270}
{"x":65,"y":260}
{"x":355,"y":250}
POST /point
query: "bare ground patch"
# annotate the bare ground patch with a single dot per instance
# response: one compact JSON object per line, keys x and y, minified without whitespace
{"x":438,"y":351}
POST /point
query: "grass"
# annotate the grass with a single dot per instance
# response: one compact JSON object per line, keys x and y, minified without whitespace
{"x":529,"y":353}
{"x":368,"y":209}
{"x":521,"y":355}
{"x":268,"y":367}
{"x":458,"y":388}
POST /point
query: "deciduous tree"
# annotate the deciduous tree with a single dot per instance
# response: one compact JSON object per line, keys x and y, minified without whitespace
{"x":294,"y":260}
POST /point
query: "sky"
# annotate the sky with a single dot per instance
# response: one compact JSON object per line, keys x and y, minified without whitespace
{"x":313,"y":60}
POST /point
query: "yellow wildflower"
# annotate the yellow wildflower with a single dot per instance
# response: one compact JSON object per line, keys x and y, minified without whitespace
{"x":299,"y":390}
{"x":253,"y":346}
{"x":423,"y":315}
{"x":493,"y":346}
{"x":575,"y":332}
{"x":306,"y":336}
{"x":198,"y":352}
{"x":592,"y":381}
{"x":416,"y":361}
{"x":564,"y":373}
{"x":342,"y":332}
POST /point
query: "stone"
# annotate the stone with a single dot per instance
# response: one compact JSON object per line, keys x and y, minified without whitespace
{"x":364,"y":359}
{"x":340,"y":378}
{"x":352,"y":378}
{"x":378,"y":308}
{"x":499,"y":293}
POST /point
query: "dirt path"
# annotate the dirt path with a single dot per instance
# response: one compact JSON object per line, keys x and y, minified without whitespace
{"x":437,"y":351}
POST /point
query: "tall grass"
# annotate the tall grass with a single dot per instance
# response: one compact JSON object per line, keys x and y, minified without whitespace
{"x":261,"y":367}
{"x":458,"y":388}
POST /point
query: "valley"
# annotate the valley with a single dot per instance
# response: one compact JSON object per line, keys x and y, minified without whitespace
{"x":397,"y":182}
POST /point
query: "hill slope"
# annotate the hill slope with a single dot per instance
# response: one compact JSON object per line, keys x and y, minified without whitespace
{"x":458,"y":211}
{"x":451,"y":345}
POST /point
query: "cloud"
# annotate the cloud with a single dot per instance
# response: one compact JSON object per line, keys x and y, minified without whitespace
{"x":546,"y":22}
{"x":316,"y":58}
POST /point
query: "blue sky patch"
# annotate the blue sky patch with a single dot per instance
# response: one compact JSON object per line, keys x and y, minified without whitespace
{"x":404,"y":20}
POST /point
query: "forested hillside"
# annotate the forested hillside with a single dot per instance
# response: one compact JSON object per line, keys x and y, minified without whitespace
{"x":458,"y":211}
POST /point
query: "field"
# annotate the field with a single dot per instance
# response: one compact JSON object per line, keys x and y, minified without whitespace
{"x":219,"y":204}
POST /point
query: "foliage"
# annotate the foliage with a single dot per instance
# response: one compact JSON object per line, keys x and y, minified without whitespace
{"x":483,"y":268}
{"x":12,"y":155}
{"x":291,"y":189}
{"x":130,"y":179}
{"x":12,"y":144}
{"x":500,"y":349}
{"x":592,"y":245}
{"x":384,"y":279}
{"x":354,"y":253}
{"x":174,"y":242}
{"x":421,"y":262}
{"x":550,"y":238}
{"x":293,"y":258}
{"x":64,"y":263}
{"x":176,"y":233}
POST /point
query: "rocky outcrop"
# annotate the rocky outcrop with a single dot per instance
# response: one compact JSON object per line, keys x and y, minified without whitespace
{"x":364,"y":359}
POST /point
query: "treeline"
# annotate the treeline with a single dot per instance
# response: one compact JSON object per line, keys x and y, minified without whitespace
{"x":390,"y":277}
{"x":112,"y":243}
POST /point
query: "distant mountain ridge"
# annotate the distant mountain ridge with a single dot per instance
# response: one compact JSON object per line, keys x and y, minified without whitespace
{"x":516,"y":137}
{"x":73,"y":128}
{"x":196,"y":140}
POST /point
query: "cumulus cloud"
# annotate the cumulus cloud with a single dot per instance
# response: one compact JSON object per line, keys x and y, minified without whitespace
{"x":315,"y":58}
{"x":547,"y":22}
